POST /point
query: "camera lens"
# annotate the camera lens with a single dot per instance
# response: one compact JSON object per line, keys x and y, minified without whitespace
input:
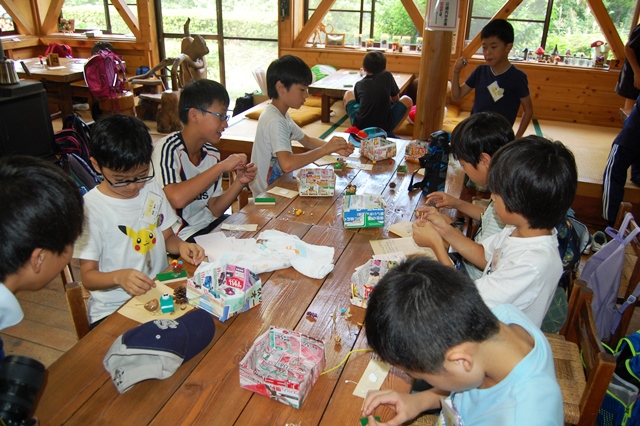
{"x":20,"y":381}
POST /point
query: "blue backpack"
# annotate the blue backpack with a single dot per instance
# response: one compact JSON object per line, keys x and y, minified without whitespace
{"x":620,"y":406}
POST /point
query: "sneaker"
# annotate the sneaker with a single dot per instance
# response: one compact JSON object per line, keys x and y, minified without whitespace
{"x":599,"y":240}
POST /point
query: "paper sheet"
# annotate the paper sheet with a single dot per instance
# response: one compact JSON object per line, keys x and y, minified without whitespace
{"x":405,"y":245}
{"x":372,"y":378}
{"x":327,"y":159}
{"x":359,"y":166}
{"x":276,"y":190}
{"x":402,"y":229}
{"x":213,"y":244}
{"x":135,"y":310}
{"x":240,"y":227}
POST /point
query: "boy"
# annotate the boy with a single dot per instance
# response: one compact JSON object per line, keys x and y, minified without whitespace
{"x":287,"y":81}
{"x":628,"y":85}
{"x":494,"y":367}
{"x":500,"y":87}
{"x":533,"y":182}
{"x":128,"y":219}
{"x":473,"y":143}
{"x":375,"y":100}
{"x":189,"y":166}
{"x":34,"y":194}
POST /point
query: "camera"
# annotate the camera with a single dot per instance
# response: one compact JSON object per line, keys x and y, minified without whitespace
{"x":20,"y":381}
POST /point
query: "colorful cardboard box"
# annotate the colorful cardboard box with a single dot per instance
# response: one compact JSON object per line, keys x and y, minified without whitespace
{"x":416,"y":149}
{"x":283,"y":365}
{"x":366,"y":276}
{"x":224,"y":290}
{"x":363,"y":211}
{"x":316,"y":182}
{"x":377,"y":148}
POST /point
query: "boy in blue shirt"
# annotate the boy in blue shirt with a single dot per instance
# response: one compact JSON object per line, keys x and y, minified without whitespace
{"x":487,"y":367}
{"x":500,"y":87}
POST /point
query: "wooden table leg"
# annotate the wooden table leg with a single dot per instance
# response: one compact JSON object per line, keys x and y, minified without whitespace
{"x":66,"y":100}
{"x":326,"y":108}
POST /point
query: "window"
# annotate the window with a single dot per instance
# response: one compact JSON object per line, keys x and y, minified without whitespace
{"x":354,"y":18}
{"x":567,"y":24}
{"x":241,"y":35}
{"x":7,"y":26}
{"x":97,"y":15}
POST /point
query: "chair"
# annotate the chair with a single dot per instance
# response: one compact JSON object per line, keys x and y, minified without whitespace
{"x":77,"y":302}
{"x":581,"y":356}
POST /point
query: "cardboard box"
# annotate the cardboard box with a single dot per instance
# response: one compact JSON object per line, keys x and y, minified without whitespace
{"x":416,"y":149}
{"x":363,"y":211}
{"x":283,"y":365}
{"x":377,"y":148}
{"x":366,"y":276}
{"x":224,"y":290}
{"x":316,"y":182}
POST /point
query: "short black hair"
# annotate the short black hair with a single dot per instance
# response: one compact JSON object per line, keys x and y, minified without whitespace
{"x":484,"y":132}
{"x":536,"y":178}
{"x":374,"y":62}
{"x":120,"y":142}
{"x":288,"y":70}
{"x":201,"y":94}
{"x":499,"y":28}
{"x":41,"y":208}
{"x":420,"y":309}
{"x":102,"y":45}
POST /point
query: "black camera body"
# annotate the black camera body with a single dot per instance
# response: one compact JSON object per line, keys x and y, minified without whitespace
{"x":21,"y":379}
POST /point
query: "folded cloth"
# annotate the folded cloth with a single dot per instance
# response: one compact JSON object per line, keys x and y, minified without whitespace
{"x":156,"y":349}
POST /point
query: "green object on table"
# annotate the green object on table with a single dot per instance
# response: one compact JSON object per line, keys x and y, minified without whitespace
{"x":402,"y":168}
{"x":364,"y":421}
{"x":338,"y":166}
{"x":166,"y":276}
{"x":353,"y":72}
{"x":348,"y":85}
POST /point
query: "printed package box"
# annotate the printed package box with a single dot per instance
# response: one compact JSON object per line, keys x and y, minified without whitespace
{"x":224,"y":290}
{"x":363,"y":211}
{"x":377,"y":148}
{"x":316,"y":182}
{"x":366,"y":276}
{"x":416,"y":149}
{"x":283,"y":365}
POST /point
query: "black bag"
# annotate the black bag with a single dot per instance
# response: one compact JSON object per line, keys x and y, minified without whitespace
{"x":243,"y":103}
{"x":435,"y":163}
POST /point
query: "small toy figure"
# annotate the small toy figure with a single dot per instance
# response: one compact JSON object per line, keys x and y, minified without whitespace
{"x":176,"y":266}
{"x":351,"y":189}
{"x":525,"y":54}
{"x":166,"y":303}
{"x":402,"y":169}
{"x":540,"y":54}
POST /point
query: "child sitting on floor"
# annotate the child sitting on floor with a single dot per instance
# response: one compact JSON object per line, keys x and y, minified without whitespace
{"x":533,"y":182}
{"x":128,"y":219}
{"x":494,"y":367}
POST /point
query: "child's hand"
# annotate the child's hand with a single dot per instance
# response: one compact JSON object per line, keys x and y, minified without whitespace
{"x":191,"y":252}
{"x":234,"y":162}
{"x":425,"y":234}
{"x":441,"y":199}
{"x":247,"y":173}
{"x":340,"y":146}
{"x":134,"y":282}
{"x":461,"y":62}
{"x":406,"y":406}
{"x":440,"y":222}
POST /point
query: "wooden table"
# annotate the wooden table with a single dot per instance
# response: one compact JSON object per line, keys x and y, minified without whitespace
{"x":335,"y":85}
{"x":206,"y":389}
{"x":57,"y":81}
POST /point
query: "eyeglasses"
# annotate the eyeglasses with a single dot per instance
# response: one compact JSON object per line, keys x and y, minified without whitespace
{"x":222,"y":117}
{"x":131,"y":181}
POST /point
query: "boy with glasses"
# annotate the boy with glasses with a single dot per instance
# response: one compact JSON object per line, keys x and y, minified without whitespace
{"x":128,"y":220}
{"x":189,"y":166}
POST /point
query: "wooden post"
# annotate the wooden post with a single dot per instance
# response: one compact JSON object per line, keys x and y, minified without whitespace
{"x":432,"y":85}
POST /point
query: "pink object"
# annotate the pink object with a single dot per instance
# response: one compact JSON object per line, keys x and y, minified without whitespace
{"x":412,"y":114}
{"x":539,"y":51}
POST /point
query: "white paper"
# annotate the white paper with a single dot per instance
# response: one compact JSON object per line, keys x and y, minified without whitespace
{"x":372,"y":378}
{"x":327,"y":159}
{"x":214,"y":244}
{"x":405,"y":245}
{"x":240,"y":227}
{"x":402,"y":229}
{"x":360,"y":166}
{"x":276,"y":190}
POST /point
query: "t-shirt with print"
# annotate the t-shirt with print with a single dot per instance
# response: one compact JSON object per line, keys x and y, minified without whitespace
{"x":274,"y":134}
{"x":173,"y":165}
{"x":118,"y":236}
{"x":514,"y":86}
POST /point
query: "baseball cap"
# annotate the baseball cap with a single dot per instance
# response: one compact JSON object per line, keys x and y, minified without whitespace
{"x":156,"y":349}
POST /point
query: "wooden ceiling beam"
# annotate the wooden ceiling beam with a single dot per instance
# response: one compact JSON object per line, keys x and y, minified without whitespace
{"x":414,"y":14}
{"x":128,"y":17}
{"x":312,"y":23}
{"x":503,"y":13}
{"x":50,"y":20}
{"x":21,"y":16}
{"x":608,"y":29}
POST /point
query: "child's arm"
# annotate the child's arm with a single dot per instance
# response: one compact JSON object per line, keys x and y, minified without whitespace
{"x":130,"y":280}
{"x":180,"y":194}
{"x":407,"y":406}
{"x":317,"y":149}
{"x":190,"y":252}
{"x":459,"y":91}
{"x":527,"y":115}
{"x":444,"y":200}
{"x":425,"y":235}
{"x":218,"y":205}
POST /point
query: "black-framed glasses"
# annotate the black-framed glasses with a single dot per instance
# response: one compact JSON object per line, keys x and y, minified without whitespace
{"x":131,"y":181}
{"x":222,"y":117}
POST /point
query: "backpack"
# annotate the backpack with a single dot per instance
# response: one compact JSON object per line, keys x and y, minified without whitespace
{"x":435,"y":163}
{"x":620,"y":407}
{"x":105,"y":75}
{"x":243,"y":103}
{"x":63,"y":50}
{"x":602,"y":273}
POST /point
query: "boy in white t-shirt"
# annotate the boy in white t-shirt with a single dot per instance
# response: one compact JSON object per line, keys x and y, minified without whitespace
{"x":288,"y":79}
{"x":128,"y":229}
{"x":533,"y":182}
